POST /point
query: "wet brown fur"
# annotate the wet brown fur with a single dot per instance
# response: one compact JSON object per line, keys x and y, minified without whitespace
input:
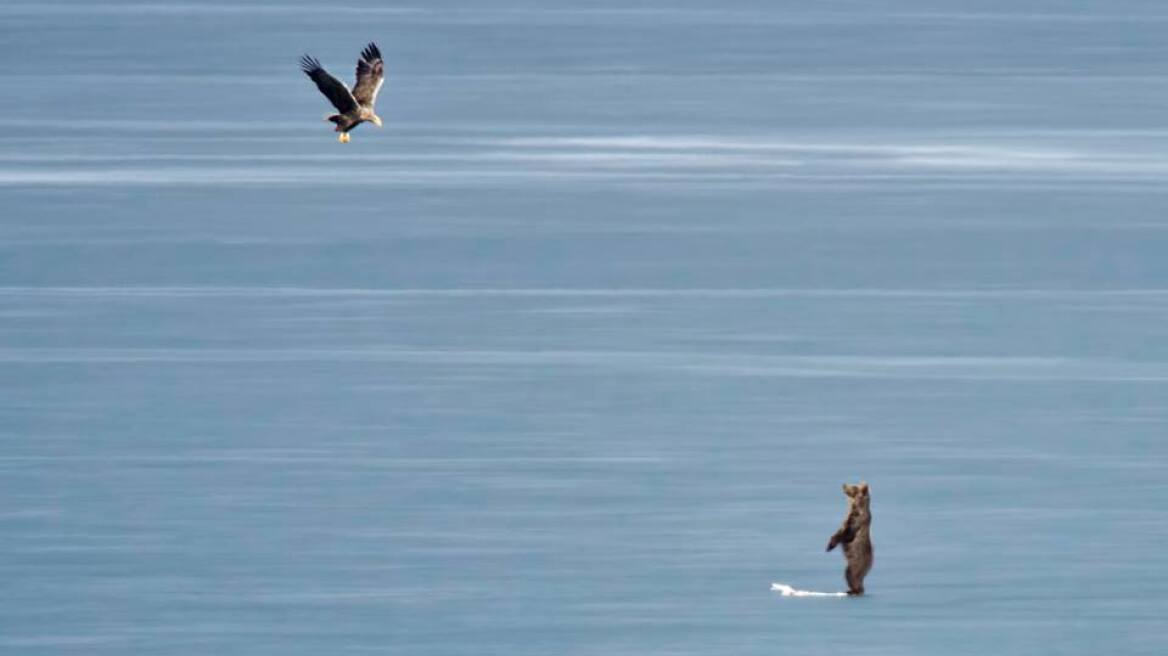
{"x":854,"y":536}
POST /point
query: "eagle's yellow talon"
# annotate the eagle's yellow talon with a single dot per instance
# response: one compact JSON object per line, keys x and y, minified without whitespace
{"x":344,"y":138}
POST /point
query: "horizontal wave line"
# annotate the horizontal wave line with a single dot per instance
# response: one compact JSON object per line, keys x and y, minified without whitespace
{"x":582,"y":292}
{"x":940,"y":368}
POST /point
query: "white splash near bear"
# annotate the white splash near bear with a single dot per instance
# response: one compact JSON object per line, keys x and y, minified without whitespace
{"x":789,"y":591}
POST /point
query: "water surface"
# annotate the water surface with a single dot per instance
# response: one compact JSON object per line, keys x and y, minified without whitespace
{"x":573,"y":356}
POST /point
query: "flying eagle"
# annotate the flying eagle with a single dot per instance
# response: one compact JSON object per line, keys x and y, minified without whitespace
{"x":355,"y":106}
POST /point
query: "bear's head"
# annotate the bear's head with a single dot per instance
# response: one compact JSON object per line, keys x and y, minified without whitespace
{"x":857,"y":494}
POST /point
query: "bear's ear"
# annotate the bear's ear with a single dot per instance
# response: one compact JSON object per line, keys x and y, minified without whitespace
{"x":849,"y":490}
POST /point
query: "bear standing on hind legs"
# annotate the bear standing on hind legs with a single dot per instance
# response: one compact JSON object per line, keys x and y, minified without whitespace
{"x":854,"y":535}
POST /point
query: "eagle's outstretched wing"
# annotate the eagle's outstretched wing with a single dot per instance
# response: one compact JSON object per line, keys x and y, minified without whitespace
{"x":370,"y":73}
{"x":332,"y":88}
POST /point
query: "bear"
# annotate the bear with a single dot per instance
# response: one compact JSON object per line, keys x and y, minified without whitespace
{"x":855,"y":536}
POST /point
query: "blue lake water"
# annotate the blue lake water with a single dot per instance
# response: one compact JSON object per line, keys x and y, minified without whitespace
{"x":573,"y":356}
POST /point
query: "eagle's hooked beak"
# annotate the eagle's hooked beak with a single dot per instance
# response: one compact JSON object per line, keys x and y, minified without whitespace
{"x":376,"y":120}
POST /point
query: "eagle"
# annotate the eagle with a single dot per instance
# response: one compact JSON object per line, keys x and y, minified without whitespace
{"x":355,"y":107}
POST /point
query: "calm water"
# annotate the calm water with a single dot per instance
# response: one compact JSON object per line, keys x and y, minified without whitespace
{"x":573,"y":356}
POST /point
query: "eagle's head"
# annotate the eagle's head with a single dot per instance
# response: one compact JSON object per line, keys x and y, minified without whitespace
{"x":375,"y":120}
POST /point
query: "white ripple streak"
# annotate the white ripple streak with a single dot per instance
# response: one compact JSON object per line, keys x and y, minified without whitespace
{"x":788,"y":591}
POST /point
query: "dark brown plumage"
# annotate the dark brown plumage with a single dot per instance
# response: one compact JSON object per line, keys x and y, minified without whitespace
{"x":356,"y":106}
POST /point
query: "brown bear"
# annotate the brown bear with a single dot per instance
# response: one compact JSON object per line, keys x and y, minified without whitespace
{"x":854,"y":534}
